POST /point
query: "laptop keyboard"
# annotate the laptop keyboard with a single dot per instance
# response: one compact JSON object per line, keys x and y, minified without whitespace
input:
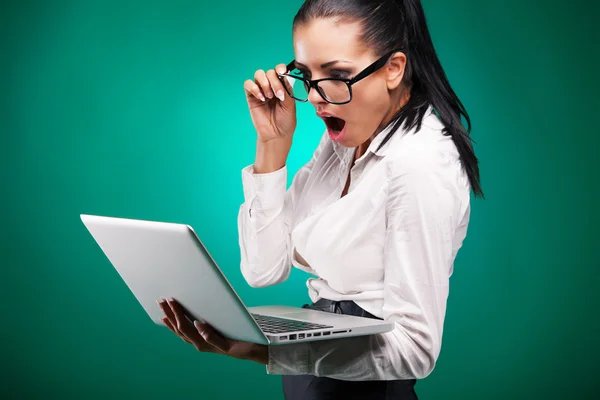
{"x":270,"y":324}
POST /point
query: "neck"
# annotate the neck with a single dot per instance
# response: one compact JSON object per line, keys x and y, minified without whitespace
{"x":362,"y":149}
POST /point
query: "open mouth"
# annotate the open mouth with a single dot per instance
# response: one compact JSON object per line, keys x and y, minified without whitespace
{"x":334,"y":124}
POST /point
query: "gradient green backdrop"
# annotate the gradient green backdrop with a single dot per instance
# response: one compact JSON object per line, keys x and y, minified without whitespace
{"x":136,"y":109}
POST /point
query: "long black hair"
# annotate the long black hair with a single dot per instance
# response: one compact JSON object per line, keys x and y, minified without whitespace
{"x":401,"y":24}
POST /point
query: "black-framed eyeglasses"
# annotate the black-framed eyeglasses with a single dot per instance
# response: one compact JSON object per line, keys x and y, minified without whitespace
{"x":333,"y":90}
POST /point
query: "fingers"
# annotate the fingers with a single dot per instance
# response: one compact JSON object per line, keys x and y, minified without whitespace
{"x":172,"y":328}
{"x":276,"y":84}
{"x":184,"y":326}
{"x":253,"y":89}
{"x":181,"y":323}
{"x":281,"y":68}
{"x":287,"y":81}
{"x":266,"y":84}
{"x":170,"y":317}
{"x":261,"y":79}
{"x":171,"y":322}
{"x":212,"y":337}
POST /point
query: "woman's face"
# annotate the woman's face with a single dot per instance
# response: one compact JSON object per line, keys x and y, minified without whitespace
{"x":374,"y":99}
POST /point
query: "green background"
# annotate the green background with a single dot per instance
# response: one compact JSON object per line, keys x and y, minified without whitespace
{"x":137,"y":109}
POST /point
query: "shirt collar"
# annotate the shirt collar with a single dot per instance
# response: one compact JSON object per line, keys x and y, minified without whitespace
{"x":344,"y":153}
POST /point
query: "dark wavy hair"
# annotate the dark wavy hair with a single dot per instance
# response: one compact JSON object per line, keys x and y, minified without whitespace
{"x":401,"y":24}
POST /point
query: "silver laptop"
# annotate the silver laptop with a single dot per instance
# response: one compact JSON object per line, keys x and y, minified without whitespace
{"x":160,"y":259}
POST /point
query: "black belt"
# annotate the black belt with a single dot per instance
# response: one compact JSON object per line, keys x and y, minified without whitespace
{"x":347,"y":307}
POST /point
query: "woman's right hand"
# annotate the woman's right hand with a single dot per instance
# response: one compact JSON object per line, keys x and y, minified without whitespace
{"x":273,"y":118}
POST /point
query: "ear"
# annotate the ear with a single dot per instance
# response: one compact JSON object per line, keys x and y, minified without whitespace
{"x":394,"y":70}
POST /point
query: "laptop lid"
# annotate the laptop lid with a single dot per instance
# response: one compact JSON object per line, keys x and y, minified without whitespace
{"x":160,"y":259}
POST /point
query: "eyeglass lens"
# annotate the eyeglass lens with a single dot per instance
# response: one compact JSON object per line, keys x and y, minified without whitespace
{"x":334,"y":91}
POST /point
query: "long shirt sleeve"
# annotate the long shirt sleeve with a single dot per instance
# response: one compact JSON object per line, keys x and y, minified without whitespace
{"x":265,"y":219}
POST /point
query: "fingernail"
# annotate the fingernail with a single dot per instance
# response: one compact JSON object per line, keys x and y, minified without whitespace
{"x":262,"y":97}
{"x":280,"y":95}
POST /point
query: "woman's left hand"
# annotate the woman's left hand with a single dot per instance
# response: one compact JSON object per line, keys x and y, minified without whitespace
{"x":205,"y":338}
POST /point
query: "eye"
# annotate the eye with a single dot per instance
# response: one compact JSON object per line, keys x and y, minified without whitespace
{"x":338,"y":73}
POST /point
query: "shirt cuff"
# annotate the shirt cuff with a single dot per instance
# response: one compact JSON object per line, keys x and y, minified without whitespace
{"x":264,"y":191}
{"x":289,"y":359}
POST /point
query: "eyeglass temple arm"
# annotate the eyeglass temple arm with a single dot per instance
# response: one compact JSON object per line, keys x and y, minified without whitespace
{"x":374,"y":67}
{"x":290,"y":66}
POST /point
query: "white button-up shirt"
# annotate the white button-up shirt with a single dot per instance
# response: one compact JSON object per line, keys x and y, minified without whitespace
{"x":389,"y":245}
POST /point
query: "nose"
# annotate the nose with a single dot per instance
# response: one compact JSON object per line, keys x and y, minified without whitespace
{"x":314,"y":97}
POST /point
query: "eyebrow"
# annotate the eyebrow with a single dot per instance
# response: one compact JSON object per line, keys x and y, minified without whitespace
{"x":326,"y":65}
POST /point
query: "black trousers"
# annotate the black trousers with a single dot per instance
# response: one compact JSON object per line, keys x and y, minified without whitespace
{"x":309,"y":387}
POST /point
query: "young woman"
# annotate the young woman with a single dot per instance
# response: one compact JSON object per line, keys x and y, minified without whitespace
{"x":378,"y":213}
